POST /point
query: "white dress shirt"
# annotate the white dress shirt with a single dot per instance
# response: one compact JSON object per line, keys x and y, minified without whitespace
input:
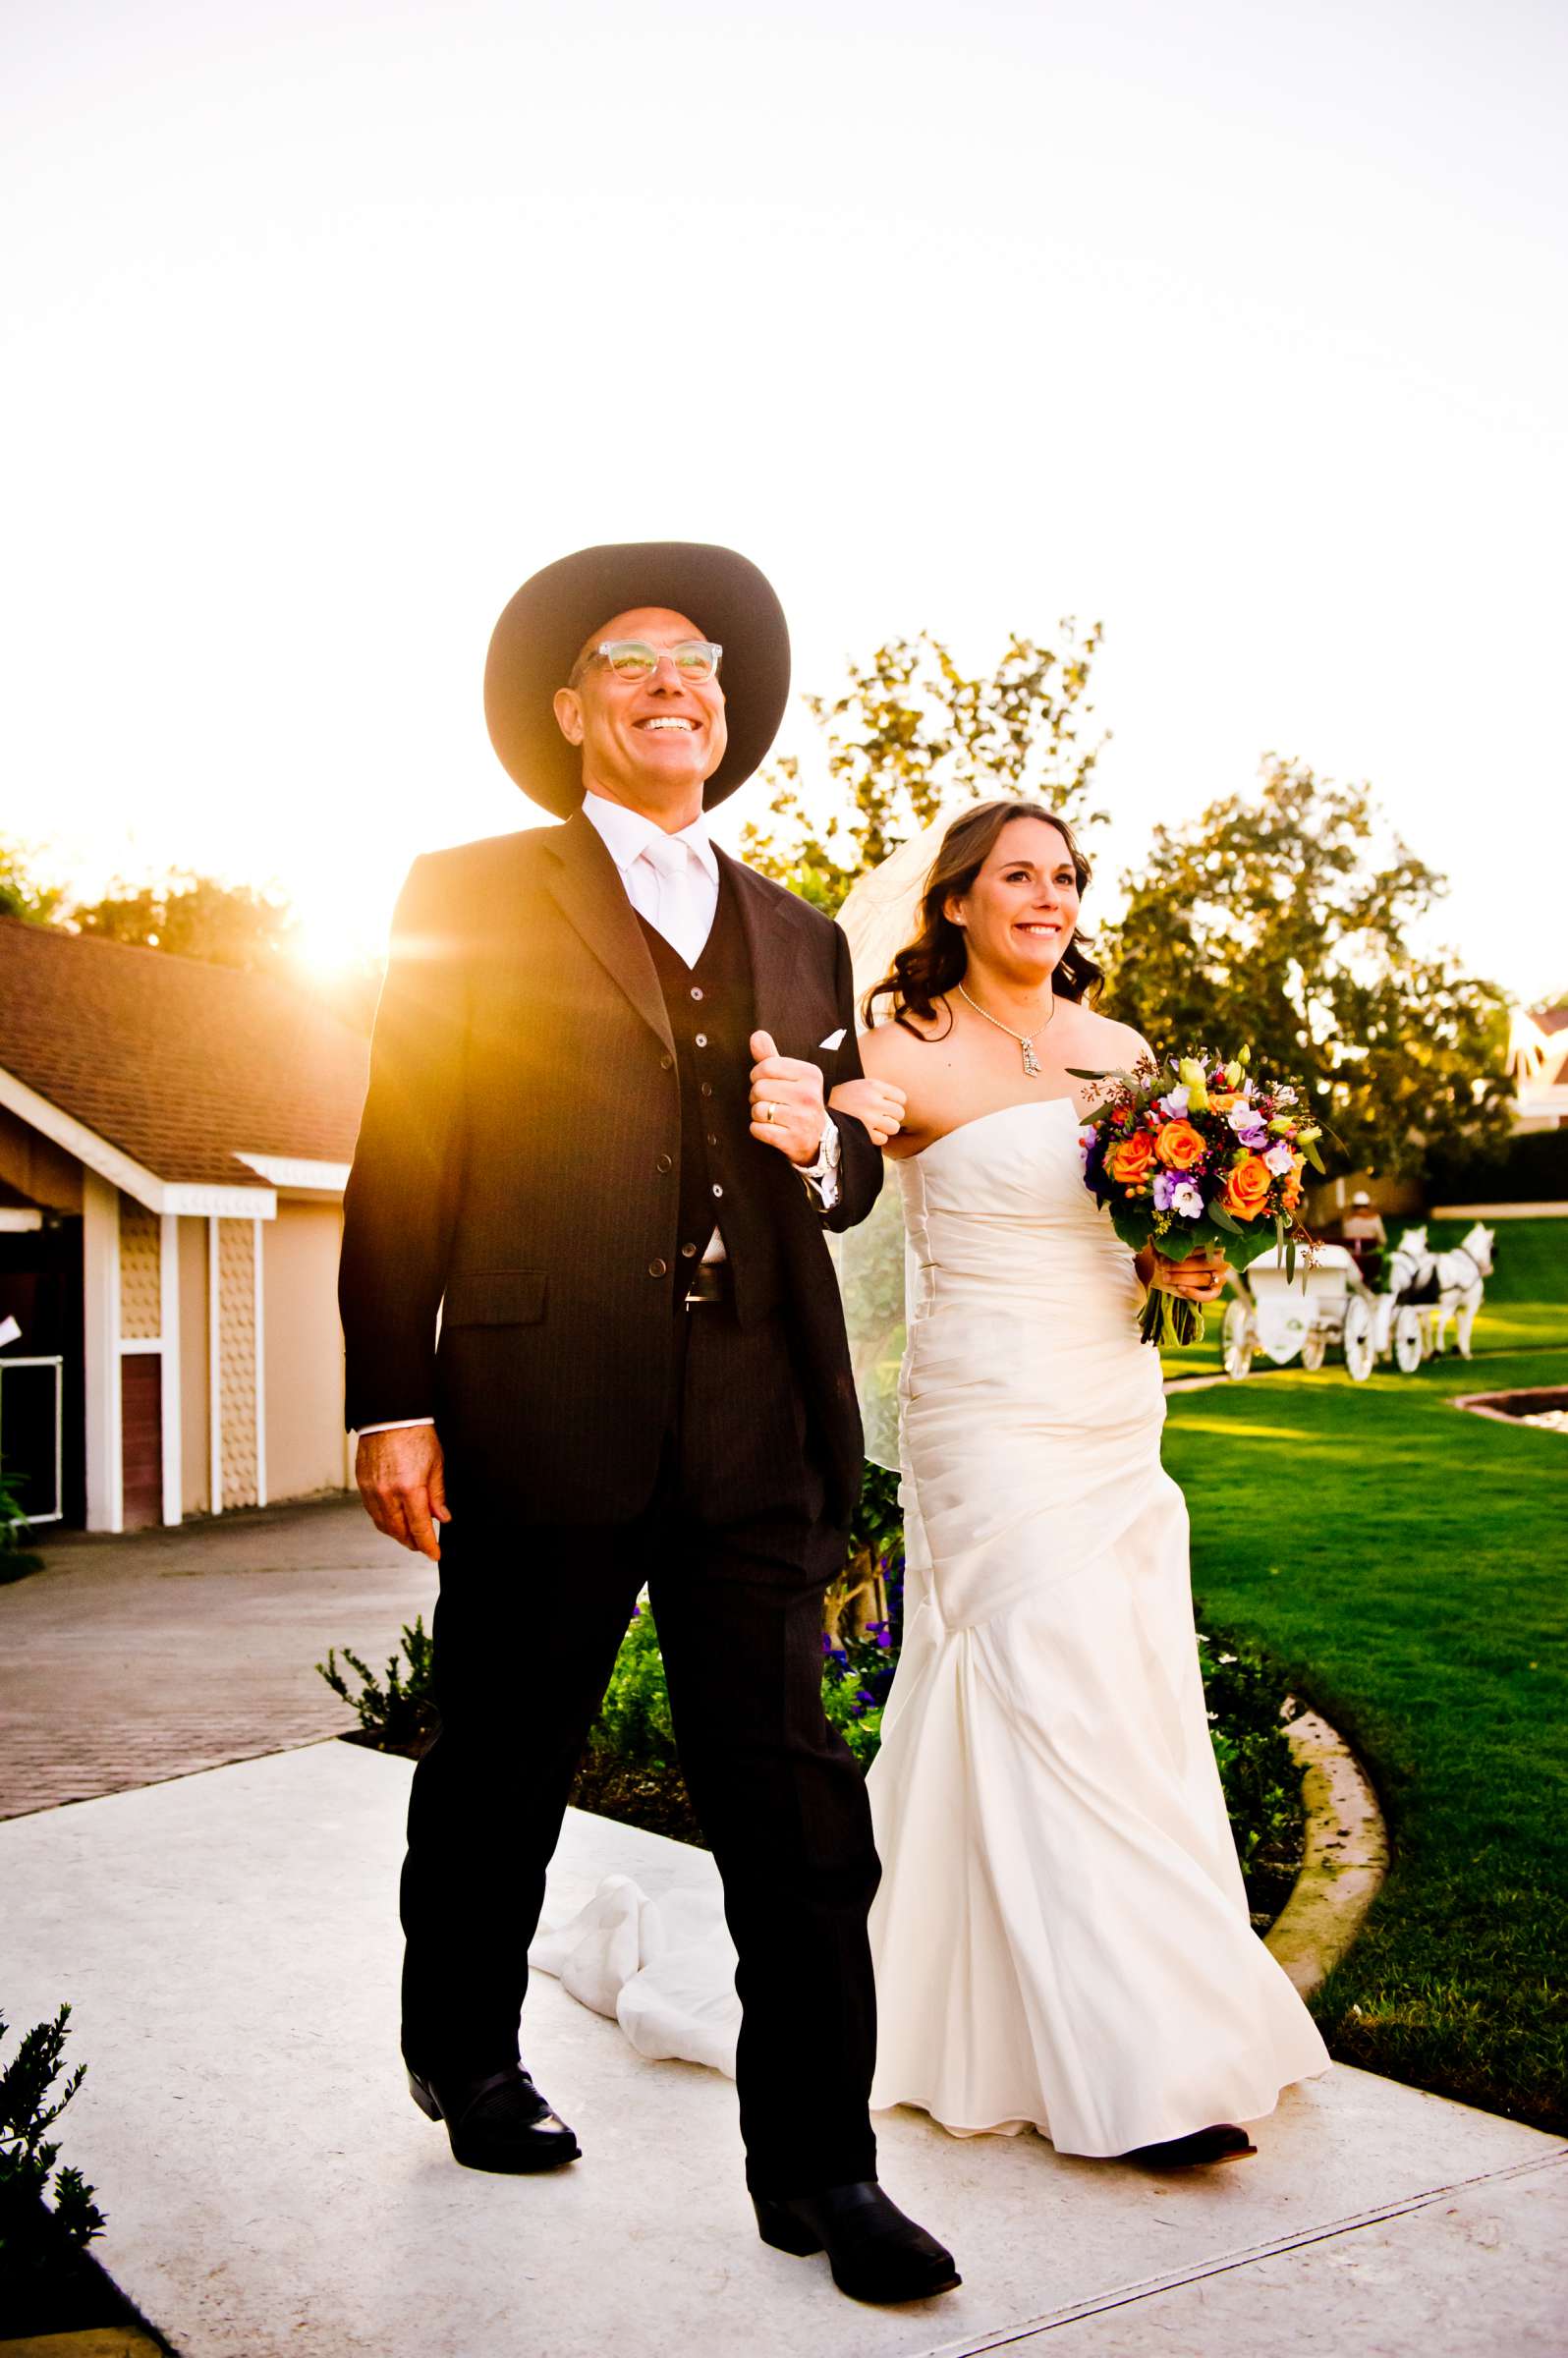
{"x":673,"y":881}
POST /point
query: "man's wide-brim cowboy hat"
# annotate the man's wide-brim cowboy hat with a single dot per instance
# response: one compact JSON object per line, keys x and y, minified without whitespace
{"x":538,"y":637}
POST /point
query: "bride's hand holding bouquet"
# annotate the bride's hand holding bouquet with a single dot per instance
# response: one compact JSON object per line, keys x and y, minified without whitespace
{"x":1200,"y":1164}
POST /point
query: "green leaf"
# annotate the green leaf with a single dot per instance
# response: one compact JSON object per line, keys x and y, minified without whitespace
{"x":1222,"y":1219}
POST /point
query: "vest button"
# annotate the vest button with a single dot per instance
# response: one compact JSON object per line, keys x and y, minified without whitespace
{"x":688,"y":1251}
{"x":695,"y":993}
{"x":701,"y":1040}
{"x":665,"y":1063}
{"x":665,"y":1162}
{"x":718,"y":1190}
{"x":706,"y":1087}
{"x":658,"y":1268}
{"x":712,"y":1138}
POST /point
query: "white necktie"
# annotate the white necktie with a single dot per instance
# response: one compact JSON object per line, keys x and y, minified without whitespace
{"x":678,"y":912}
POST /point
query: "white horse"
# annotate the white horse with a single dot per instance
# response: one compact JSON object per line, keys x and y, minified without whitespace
{"x":1410,"y":1261}
{"x":1461,"y":1285}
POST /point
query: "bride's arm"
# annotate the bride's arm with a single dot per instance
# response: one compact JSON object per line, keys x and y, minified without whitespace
{"x":877,"y":1098}
{"x":879,"y":1105}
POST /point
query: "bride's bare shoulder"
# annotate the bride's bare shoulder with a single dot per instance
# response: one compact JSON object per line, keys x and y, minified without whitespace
{"x":1106,"y":1042}
{"x":893,"y":1051}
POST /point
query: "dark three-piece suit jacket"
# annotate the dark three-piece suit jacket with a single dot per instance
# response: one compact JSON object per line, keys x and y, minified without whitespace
{"x":518,"y":1169}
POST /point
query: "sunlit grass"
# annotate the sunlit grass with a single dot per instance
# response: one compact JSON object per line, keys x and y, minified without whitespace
{"x":1408,"y":1563}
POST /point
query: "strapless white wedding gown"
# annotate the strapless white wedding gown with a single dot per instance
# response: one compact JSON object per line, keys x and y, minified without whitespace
{"x":1061,"y":1937}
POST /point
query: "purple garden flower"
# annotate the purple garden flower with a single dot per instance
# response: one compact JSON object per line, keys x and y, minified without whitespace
{"x":1278,"y":1158}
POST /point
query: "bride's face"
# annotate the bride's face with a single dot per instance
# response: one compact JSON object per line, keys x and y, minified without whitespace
{"x":1020,"y":911}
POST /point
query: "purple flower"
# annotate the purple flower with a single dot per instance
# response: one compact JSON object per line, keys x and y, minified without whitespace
{"x":1278,"y":1160}
{"x":1186,"y":1200}
{"x":1176,"y":1103}
{"x":1256,"y":1135}
{"x":1164,"y":1181}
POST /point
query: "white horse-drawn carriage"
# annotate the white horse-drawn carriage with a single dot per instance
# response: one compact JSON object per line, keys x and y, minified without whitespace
{"x":1329,"y":1305}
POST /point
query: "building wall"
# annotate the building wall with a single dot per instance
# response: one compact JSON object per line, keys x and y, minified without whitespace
{"x":141,"y":1307}
{"x":196,"y":1487}
{"x":36,"y":1167}
{"x":303,"y":1356}
{"x":237,"y":1361}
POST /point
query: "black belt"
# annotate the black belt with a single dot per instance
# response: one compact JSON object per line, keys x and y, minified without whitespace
{"x":710,"y":1282}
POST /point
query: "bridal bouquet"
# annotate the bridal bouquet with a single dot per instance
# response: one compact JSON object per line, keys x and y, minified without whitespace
{"x":1194,"y":1154}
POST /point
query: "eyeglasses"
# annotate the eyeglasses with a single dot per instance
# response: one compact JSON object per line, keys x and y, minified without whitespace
{"x":694,"y":659}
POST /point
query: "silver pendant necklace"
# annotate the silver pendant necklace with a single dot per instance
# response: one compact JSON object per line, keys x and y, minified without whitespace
{"x":1025,"y":1042}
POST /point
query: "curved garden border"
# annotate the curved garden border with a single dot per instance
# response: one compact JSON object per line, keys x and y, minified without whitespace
{"x":1532,"y":1399}
{"x":1346,"y":1856}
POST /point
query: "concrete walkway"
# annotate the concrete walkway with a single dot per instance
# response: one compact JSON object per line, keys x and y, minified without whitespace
{"x":229,"y":1946}
{"x":133,"y":1658}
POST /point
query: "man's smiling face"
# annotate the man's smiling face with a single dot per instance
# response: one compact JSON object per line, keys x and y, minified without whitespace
{"x":650,"y":743}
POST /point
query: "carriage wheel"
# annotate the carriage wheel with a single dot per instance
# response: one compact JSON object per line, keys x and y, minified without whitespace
{"x":1360,"y":1351}
{"x":1314,"y":1348}
{"x":1408,"y":1340}
{"x":1239,"y":1340}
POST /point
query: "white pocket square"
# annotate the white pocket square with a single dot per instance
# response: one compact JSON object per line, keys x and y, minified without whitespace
{"x":834,"y":1039}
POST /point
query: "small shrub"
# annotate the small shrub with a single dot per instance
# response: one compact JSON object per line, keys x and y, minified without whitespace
{"x":1257,"y":1768}
{"x":400,"y":1716}
{"x":33,"y":2231}
{"x":15,"y":1557}
{"x":634,"y":1722}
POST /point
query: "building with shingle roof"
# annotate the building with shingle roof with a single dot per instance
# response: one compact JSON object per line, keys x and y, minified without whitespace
{"x":174,"y":1142}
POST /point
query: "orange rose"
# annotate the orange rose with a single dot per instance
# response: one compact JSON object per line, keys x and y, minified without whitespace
{"x":1180,"y":1147}
{"x":1224,"y":1101}
{"x":1247,"y":1185}
{"x":1129,"y":1158}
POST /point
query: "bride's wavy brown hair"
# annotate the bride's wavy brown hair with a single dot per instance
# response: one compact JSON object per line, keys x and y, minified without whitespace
{"x":933,"y":963}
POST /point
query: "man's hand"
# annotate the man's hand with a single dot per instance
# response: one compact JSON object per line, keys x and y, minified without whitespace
{"x":402,"y":1478}
{"x":879,"y":1104}
{"x":787,"y":1108}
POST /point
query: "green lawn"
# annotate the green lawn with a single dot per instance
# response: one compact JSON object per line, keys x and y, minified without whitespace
{"x":1408,"y":1564}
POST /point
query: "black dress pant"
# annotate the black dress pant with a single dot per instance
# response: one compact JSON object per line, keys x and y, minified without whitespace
{"x":734,"y":1556}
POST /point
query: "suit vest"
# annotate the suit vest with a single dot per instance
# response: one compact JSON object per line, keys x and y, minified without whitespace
{"x":711,"y":1014}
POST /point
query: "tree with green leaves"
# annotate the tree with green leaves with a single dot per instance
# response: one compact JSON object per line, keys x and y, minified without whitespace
{"x":21,"y":893}
{"x":1283,"y":921}
{"x":911,"y":731}
{"x":195,"y":917}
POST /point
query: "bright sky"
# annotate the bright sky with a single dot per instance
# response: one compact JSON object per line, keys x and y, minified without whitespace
{"x":1239,"y":326}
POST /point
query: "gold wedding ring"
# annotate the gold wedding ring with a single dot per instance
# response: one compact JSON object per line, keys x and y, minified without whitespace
{"x":764,"y":1111}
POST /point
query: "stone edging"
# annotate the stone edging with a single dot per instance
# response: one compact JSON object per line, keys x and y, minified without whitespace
{"x":1346,"y":1856}
{"x":1480,"y":1404}
{"x":99,"y":2342}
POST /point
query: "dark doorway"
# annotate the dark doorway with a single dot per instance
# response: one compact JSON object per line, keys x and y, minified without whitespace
{"x":40,"y":1287}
